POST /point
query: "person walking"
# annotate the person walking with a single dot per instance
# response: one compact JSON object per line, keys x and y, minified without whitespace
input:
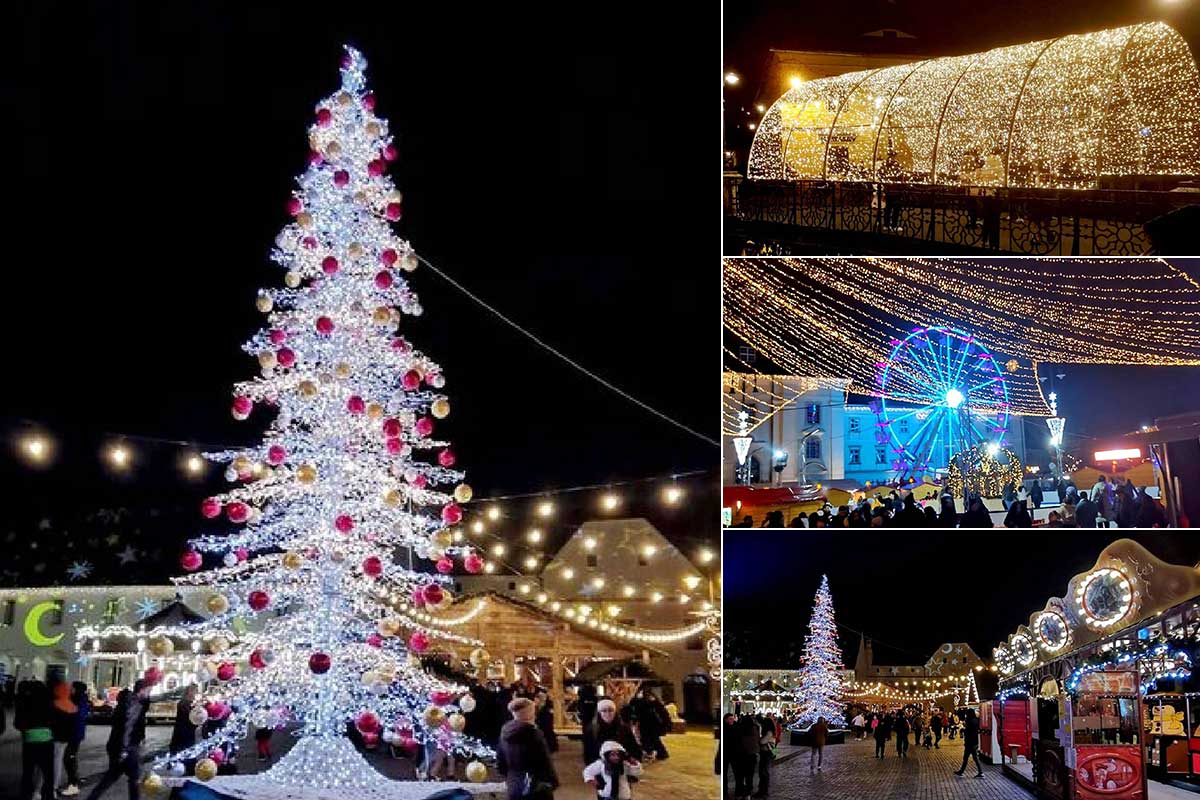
{"x":744,"y":747}
{"x":881,"y":736}
{"x":901,"y":727}
{"x":936,"y":725}
{"x":857,"y":725}
{"x":125,"y":740}
{"x":766,"y":755}
{"x":952,"y":724}
{"x":819,"y":733}
{"x":79,"y":696}
{"x":970,"y":744}
{"x":544,"y":718}
{"x":522,"y":756}
{"x":32,"y":718}
{"x":918,"y":725}
{"x":63,"y":714}
{"x":183,"y":733}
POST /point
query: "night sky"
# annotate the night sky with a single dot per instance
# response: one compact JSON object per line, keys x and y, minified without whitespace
{"x":910,"y":594}
{"x":151,"y":149}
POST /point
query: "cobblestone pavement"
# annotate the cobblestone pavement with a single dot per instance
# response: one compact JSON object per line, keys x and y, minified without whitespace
{"x":852,"y":771}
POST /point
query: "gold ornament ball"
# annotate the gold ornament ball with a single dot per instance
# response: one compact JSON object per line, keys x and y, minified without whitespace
{"x":463,"y":493}
{"x":242,"y":464}
{"x":360,"y":197}
{"x":476,"y":772}
{"x":304,"y":220}
{"x":355,"y":250}
{"x":373,"y":128}
{"x":151,"y":784}
{"x":306,"y":473}
{"x":392,"y":498}
{"x":217,"y":603}
{"x":344,"y":99}
{"x":434,"y":716}
{"x":291,"y":279}
{"x":267,"y":360}
{"x":442,"y":539}
{"x":341,"y":370}
{"x":457,"y":722}
{"x":369,"y":677}
{"x":333,"y":149}
{"x":263,"y":303}
{"x":292,"y":560}
{"x":374,"y":411}
{"x":440,"y":408}
{"x":382,"y":315}
{"x":218,"y":644}
{"x":480,"y":657}
{"x":387,"y":627}
{"x":308,"y":389}
{"x":206,"y":769}
{"x":161,"y":646}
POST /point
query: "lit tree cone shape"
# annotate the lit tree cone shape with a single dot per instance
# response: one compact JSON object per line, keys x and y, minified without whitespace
{"x":820,"y":680}
{"x":346,"y":433}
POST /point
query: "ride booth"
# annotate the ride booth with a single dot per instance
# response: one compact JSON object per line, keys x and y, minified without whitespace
{"x":1005,"y":729}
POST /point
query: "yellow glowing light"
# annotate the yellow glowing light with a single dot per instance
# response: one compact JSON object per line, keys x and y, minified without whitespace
{"x":672,"y":495}
{"x":691,"y":581}
{"x":555,"y":606}
{"x":523,"y":588}
{"x":649,"y":550}
{"x":795,"y":81}
{"x":732,"y":78}
{"x":683,"y":598}
{"x":613,"y":610}
{"x":598,"y":582}
{"x":656,"y":597}
{"x":119,"y":456}
{"x":531,"y":562}
{"x":489,"y":567}
{"x":194,"y":464}
{"x":493,"y":513}
{"x":542,"y":597}
{"x":589,"y":543}
{"x":477,"y":527}
{"x":706,"y":556}
{"x":568,"y":574}
{"x":628,"y":591}
{"x":534,"y":535}
{"x":545,"y":509}
{"x":498,"y":549}
{"x":36,"y":448}
{"x":610,"y":502}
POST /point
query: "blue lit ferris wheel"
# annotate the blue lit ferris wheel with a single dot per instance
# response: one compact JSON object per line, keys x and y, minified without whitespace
{"x":939,"y":393}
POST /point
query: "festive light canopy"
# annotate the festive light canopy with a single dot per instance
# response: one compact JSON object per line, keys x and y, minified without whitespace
{"x":1058,"y":113}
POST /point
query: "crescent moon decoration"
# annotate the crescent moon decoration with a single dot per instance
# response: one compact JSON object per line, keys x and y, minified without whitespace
{"x":34,"y":633}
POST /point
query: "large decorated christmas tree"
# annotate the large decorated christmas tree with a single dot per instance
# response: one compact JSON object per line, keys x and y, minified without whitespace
{"x":349,"y":475}
{"x":820,"y":680}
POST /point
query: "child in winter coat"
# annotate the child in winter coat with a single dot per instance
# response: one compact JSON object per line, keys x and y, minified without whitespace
{"x":611,"y":774}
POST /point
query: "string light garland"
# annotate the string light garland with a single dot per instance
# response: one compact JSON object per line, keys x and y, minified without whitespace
{"x":986,"y":469}
{"x":1058,"y":113}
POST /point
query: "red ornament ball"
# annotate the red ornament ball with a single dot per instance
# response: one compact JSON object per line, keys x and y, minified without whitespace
{"x":210,"y":507}
{"x":152,"y":675}
{"x":419,"y":481}
{"x":256,"y":660}
{"x":395,"y":446}
{"x":389,"y":153}
{"x":324,"y":117}
{"x":217,"y":755}
{"x":451,"y":514}
{"x":226,"y":671}
{"x":277,"y":336}
{"x":423,"y":426}
{"x":367,"y":722}
{"x":411,"y":380}
{"x":418,"y":597}
{"x":344,"y":523}
{"x":400,"y":345}
{"x":294,"y":206}
{"x":383,"y":280}
{"x":432,"y":594}
{"x":310,"y":242}
{"x":388,"y":257}
{"x":408,"y":745}
{"x":341,"y":178}
{"x":286,"y":357}
{"x":447,"y":458}
{"x":242,"y":406}
{"x":376,"y":167}
{"x":441,"y":698}
{"x":258,"y":599}
{"x":391,"y":428}
{"x":315,"y":158}
{"x":473,"y":564}
{"x":375,"y":640}
{"x":319,"y":663}
{"x":355,"y":404}
{"x":418,"y":642}
{"x":372,"y":566}
{"x":276,"y":454}
{"x":392,"y":212}
{"x":237,"y":511}
{"x":445,"y":565}
{"x":324,"y":325}
{"x":191,"y":561}
{"x":241,"y":554}
{"x":369,"y":101}
{"x":329,"y":265}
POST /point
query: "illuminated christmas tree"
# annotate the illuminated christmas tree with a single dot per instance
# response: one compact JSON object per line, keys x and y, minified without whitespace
{"x":821,"y":667}
{"x":345,"y":477}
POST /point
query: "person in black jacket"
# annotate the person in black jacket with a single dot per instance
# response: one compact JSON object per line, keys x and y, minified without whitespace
{"x":608,"y":727}
{"x":653,"y":722}
{"x":545,"y":718}
{"x":970,"y":744}
{"x":522,"y":757}
{"x":32,"y":718}
{"x":183,"y":734}
{"x":125,"y":740}
{"x":900,"y":727}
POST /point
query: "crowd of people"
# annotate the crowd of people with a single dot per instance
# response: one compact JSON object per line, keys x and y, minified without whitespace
{"x":1106,"y":504}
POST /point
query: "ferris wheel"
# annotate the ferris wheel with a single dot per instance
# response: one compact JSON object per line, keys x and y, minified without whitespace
{"x":939,"y":393}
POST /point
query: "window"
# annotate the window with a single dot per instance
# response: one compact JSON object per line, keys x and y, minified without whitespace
{"x":10,"y":608}
{"x":881,"y":455}
{"x":812,"y":448}
{"x":812,"y":414}
{"x":643,"y":561}
{"x":592,"y":560}
{"x":747,"y":354}
{"x":902,"y":425}
{"x":855,"y":426}
{"x":855,"y":456}
{"x":56,"y":617}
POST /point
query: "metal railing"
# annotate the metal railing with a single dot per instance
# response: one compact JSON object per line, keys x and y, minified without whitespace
{"x":1039,"y":222}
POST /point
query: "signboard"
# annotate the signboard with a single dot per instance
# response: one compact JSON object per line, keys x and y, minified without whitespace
{"x":1108,"y":683}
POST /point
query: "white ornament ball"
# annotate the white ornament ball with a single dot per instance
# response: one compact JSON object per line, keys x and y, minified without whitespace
{"x":198,"y":716}
{"x":231,"y":474}
{"x":178,"y":769}
{"x":457,"y":722}
{"x":437,"y":381}
{"x":378,"y":688}
{"x":230,"y":559}
{"x":291,"y":279}
{"x":203,"y":676}
{"x":476,"y":772}
{"x":467,"y":703}
{"x":408,"y":262}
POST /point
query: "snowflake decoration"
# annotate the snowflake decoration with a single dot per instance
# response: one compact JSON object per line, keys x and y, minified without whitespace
{"x":128,"y":555}
{"x":79,"y":569}
{"x":146,"y":608}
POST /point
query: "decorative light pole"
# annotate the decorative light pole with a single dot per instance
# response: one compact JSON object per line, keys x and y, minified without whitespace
{"x":1056,"y":425}
{"x":741,"y":447}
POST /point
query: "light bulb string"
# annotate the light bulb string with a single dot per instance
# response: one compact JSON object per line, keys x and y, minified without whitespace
{"x":563,"y":357}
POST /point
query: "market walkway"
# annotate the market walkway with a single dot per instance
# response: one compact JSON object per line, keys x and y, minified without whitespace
{"x":851,"y":770}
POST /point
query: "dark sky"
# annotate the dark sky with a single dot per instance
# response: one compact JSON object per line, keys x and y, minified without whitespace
{"x":910,"y":593}
{"x":152,"y":150}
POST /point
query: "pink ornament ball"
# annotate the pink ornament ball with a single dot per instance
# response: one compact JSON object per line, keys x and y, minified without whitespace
{"x":329,"y":265}
{"x":369,"y":101}
{"x":391,"y":428}
{"x":408,"y":745}
{"x":324,"y":326}
{"x":152,"y":675}
{"x":191,"y":561}
{"x":376,"y":167}
{"x":372,"y":566}
{"x":418,"y":642}
{"x":473,"y":564}
{"x":400,"y":345}
{"x":389,"y":153}
{"x":447,"y":458}
{"x":237,"y":511}
{"x":355,"y":404}
{"x":388,"y":257}
{"x":445,"y":566}
{"x":394,"y":446}
{"x":324,"y":117}
{"x":217,"y":755}
{"x":241,"y":554}
{"x":367,"y":722}
{"x":418,"y":597}
{"x":375,"y":640}
{"x":344,"y":523}
{"x":419,"y":481}
{"x":441,"y":698}
{"x":432,"y":594}
{"x":276,"y":454}
{"x":411,"y":380}
{"x":383,"y":280}
{"x":451,"y":514}
{"x":315,"y":158}
{"x":294,"y":206}
{"x":256,"y":660}
{"x":258,"y":600}
{"x":277,"y":336}
{"x":370,"y":740}
{"x":286,"y":357}
{"x":392,"y":212}
{"x":210,"y":508}
{"x":341,"y":178}
{"x":226,"y":671}
{"x":309,"y":242}
{"x":423,"y":426}
{"x":242,"y":406}
{"x":319,"y":663}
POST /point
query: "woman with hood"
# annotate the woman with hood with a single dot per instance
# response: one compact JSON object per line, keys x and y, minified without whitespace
{"x":522,"y":757}
{"x":1018,"y":516}
{"x":607,"y":726}
{"x":610,"y":774}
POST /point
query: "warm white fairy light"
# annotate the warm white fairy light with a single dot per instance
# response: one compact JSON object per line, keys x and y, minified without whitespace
{"x":545,"y":508}
{"x":672,"y":495}
{"x":691,"y":581}
{"x":656,"y":597}
{"x":533,"y":536}
{"x":589,"y":543}
{"x":628,"y":591}
{"x":1058,"y":113}
{"x":493,"y":513}
{"x":610,"y":501}
{"x":35,"y":448}
{"x":531,"y":562}
{"x":597,"y":582}
{"x":498,"y":549}
{"x":706,"y":556}
{"x":1053,"y":632}
{"x":119,"y":456}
